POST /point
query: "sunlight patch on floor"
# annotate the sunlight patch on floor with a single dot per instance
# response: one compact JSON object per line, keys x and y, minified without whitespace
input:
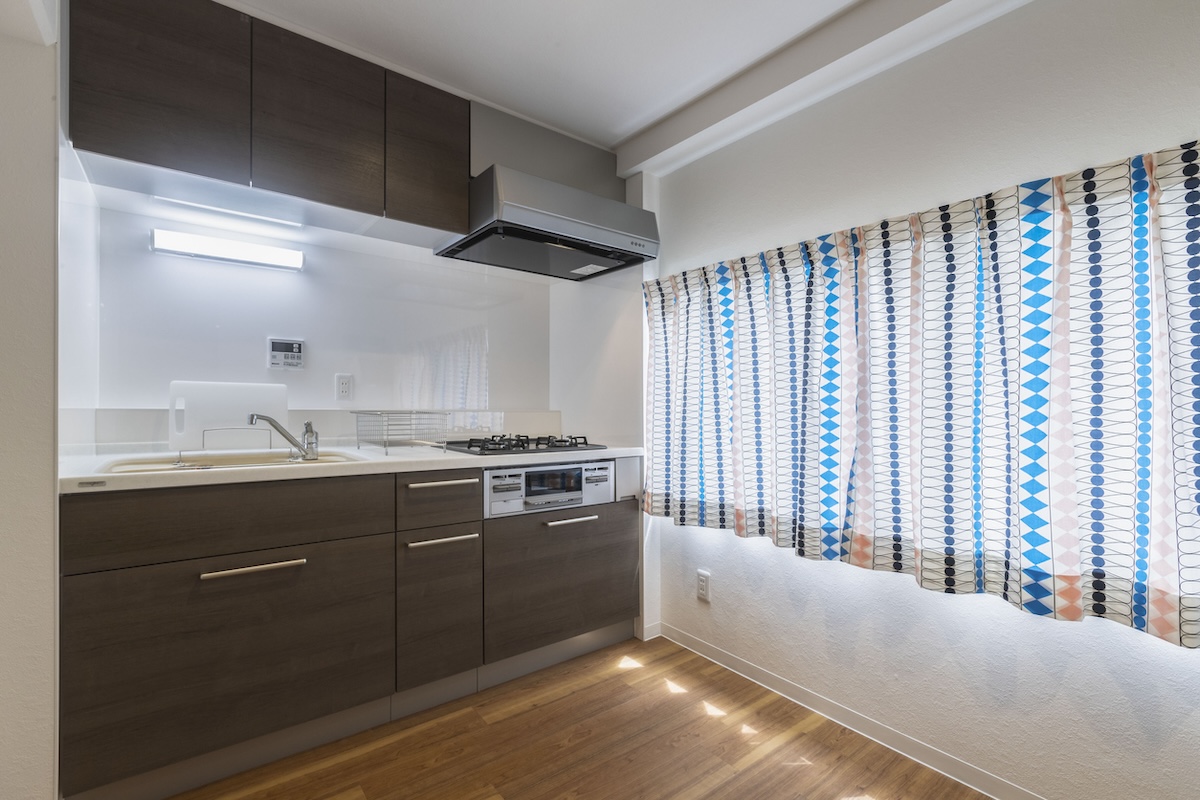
{"x":675,"y":688}
{"x":629,"y":663}
{"x":712,"y":710}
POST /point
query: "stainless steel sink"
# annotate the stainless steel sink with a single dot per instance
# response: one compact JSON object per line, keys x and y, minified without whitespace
{"x":230,"y":460}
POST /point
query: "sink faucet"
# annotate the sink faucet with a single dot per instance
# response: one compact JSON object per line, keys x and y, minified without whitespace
{"x":306,"y":448}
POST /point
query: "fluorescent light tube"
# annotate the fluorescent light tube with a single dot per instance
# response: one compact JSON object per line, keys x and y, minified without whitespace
{"x":228,"y":211}
{"x":193,"y":244}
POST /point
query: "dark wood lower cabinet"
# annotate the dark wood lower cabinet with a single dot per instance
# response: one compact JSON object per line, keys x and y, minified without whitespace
{"x":439,"y":603}
{"x":165,"y":655}
{"x":554,"y":575}
{"x":438,"y":497}
{"x":113,"y":530}
{"x":163,"y":662}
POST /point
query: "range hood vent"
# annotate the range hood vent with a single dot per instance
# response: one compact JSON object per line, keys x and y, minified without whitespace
{"x":531,"y":224}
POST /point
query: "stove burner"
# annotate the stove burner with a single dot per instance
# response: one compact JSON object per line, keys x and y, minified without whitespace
{"x":555,"y":443}
{"x":498,"y":443}
{"x":506,"y":443}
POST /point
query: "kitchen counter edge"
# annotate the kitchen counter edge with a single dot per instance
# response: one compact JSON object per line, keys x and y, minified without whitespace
{"x":85,"y":474}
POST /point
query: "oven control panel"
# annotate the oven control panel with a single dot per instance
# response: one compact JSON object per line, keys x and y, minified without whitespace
{"x":526,"y":490}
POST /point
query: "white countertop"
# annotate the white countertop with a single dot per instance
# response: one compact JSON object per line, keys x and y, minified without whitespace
{"x":80,"y":474}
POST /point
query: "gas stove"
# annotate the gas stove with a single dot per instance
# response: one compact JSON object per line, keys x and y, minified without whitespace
{"x":503,"y":444}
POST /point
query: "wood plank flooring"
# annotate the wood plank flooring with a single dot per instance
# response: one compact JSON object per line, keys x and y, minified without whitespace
{"x":636,"y":720}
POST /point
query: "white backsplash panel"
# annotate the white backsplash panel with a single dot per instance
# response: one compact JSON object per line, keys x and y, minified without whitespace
{"x":413,"y":330}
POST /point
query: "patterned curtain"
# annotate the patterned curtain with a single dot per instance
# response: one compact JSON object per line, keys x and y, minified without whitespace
{"x":1000,"y":395}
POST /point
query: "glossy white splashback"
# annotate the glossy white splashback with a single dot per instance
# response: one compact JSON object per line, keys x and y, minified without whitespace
{"x":388,"y":317}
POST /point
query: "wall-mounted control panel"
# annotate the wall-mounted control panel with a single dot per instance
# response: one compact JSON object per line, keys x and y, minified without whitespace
{"x":285,"y":353}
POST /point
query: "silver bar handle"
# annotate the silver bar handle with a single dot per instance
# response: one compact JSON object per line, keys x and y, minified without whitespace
{"x":446,"y":540}
{"x":431,"y":484}
{"x":571,"y":521}
{"x":229,"y":573}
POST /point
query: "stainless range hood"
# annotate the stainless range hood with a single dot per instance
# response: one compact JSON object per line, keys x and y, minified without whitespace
{"x":531,"y":224}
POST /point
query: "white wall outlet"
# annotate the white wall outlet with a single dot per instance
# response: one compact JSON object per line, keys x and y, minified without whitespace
{"x":343,"y":386}
{"x":703,"y":577}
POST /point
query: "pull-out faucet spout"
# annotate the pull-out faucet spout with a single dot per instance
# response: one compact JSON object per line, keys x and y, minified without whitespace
{"x":306,"y":448}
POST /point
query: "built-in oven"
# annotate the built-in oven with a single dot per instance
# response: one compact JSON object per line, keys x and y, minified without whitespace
{"x":525,"y":490}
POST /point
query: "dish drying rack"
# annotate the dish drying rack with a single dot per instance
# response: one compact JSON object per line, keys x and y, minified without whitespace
{"x":400,"y":428}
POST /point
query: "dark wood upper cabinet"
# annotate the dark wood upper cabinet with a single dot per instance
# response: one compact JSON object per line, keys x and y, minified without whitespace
{"x":164,"y":83}
{"x":428,"y":154}
{"x":196,"y":86}
{"x":318,"y":121}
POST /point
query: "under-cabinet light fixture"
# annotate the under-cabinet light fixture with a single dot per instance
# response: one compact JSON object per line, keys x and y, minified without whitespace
{"x":259,"y":255}
{"x":228,"y":211}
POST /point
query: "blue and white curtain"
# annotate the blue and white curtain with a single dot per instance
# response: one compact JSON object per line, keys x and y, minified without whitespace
{"x":1000,"y":395}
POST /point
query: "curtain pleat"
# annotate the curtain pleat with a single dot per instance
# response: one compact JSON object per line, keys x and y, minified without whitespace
{"x":997,"y":396}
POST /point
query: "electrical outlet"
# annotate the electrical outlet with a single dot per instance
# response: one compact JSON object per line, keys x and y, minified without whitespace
{"x":702,"y":584}
{"x":343,"y":386}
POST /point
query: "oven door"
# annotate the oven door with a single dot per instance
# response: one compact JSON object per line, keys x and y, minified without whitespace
{"x":553,"y":487}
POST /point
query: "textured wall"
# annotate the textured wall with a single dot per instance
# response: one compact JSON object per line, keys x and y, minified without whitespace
{"x":1064,"y":710}
{"x":27,"y":455}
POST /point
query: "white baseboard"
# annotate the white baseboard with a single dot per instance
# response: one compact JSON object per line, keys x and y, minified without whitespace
{"x":959,"y":770}
{"x":648,"y":630}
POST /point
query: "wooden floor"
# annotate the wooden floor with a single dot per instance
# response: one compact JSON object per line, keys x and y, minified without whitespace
{"x":635,"y":720}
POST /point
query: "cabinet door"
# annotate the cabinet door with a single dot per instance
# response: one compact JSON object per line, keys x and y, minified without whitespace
{"x":318,"y":121}
{"x":438,"y":497}
{"x":439,"y":603}
{"x":164,"y":662}
{"x":428,"y":154}
{"x":165,"y":83}
{"x":551,"y":576}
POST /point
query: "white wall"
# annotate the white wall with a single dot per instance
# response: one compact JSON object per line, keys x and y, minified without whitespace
{"x":78,"y":302}
{"x":28,"y":590}
{"x":1064,"y":710}
{"x":596,"y":356}
{"x":500,"y":138}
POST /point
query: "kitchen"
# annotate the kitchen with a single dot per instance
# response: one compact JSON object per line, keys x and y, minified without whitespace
{"x":1101,"y":80}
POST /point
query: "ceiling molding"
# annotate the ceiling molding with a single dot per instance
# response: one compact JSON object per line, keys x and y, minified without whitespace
{"x":870,"y":38}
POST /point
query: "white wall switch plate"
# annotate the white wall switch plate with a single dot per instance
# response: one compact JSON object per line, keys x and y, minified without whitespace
{"x":703,"y":578}
{"x":343,"y":386}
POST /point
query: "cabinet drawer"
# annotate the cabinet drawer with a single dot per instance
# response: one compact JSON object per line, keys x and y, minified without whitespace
{"x":439,"y":603}
{"x":438,"y":497}
{"x":551,"y":576}
{"x":111,"y":530}
{"x":164,"y":662}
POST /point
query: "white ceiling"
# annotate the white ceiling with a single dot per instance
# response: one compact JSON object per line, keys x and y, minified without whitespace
{"x":600,"y":70}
